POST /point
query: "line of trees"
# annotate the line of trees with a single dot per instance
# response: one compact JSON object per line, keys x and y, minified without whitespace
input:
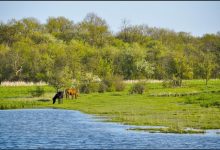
{"x":61,"y":50}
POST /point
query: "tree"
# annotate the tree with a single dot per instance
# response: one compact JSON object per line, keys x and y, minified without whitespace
{"x":61,"y":27}
{"x":94,"y":30}
{"x":210,"y":43}
{"x":32,"y":51}
{"x":207,"y":65}
{"x":145,"y":67}
{"x":4,"y":72}
{"x":132,"y":34}
{"x":60,"y":78}
{"x":104,"y":68}
{"x":124,"y":63}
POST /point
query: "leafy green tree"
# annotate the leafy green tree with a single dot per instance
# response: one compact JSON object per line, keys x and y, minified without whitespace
{"x":32,"y":51}
{"x":104,"y":68}
{"x":145,"y":67}
{"x":94,"y":30}
{"x":207,"y":65}
{"x":61,"y":27}
{"x":60,"y":79}
{"x":4,"y":72}
{"x":210,"y":43}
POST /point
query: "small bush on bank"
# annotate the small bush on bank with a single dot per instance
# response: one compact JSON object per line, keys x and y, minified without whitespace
{"x":137,"y":88}
{"x":89,"y":88}
{"x":39,"y":91}
{"x":109,"y":82}
{"x":167,"y":84}
{"x":118,"y":83}
{"x":102,"y":87}
{"x":94,"y":87}
{"x":174,"y":82}
{"x":84,"y":88}
{"x":112,"y":83}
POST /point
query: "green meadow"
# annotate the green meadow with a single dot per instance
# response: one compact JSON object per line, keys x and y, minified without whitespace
{"x":194,"y":105}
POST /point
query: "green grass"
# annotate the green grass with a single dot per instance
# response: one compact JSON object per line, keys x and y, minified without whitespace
{"x":20,"y":91}
{"x":200,"y":111}
{"x":189,"y":86}
{"x":205,"y":100}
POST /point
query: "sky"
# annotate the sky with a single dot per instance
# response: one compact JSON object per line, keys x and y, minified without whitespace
{"x":195,"y":17}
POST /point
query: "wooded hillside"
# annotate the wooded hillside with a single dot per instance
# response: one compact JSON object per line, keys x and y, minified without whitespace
{"x":62,"y":49}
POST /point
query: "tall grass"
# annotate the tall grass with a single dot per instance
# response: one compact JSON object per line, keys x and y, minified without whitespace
{"x":22,"y":83}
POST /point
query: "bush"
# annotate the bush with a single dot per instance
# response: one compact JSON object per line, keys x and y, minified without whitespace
{"x":88,"y":88}
{"x":167,"y":83}
{"x":175,"y":82}
{"x":109,"y":82}
{"x":118,"y":83}
{"x":137,"y":88}
{"x":93,"y":87}
{"x":216,"y":103}
{"x":102,"y":87}
{"x":190,"y":100}
{"x":39,"y":91}
{"x":84,"y":88}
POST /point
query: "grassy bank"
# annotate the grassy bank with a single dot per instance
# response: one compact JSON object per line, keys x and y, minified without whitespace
{"x":201,"y":111}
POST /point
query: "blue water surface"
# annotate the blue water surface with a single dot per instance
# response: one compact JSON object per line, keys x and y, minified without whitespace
{"x":67,"y":129}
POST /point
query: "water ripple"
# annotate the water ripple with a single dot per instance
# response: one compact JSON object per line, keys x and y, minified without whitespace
{"x":66,"y":129}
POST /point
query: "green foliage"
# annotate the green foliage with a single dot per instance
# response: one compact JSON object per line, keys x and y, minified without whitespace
{"x":39,"y":91}
{"x":145,"y":67}
{"x":84,"y":88}
{"x":60,"y":50}
{"x":118,"y":83}
{"x":137,"y":88}
{"x":60,"y":78}
{"x":204,"y":100}
{"x":102,"y":87}
{"x":109,"y":82}
{"x":167,"y":84}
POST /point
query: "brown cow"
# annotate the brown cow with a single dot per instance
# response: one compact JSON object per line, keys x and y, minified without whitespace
{"x":72,"y":92}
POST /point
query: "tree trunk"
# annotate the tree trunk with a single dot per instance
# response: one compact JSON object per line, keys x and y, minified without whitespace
{"x":206,"y":81}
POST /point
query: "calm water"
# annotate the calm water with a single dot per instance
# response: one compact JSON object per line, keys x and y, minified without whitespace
{"x":54,"y":128}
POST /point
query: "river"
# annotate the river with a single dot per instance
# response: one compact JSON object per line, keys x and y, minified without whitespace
{"x":68,"y":129}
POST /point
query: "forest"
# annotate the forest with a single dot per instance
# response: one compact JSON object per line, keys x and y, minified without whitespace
{"x":61,"y":51}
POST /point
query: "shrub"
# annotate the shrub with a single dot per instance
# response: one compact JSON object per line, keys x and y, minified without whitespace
{"x":216,"y":103}
{"x":39,"y":91}
{"x":167,"y":84}
{"x":102,"y":87}
{"x":88,"y":88}
{"x":84,"y":88}
{"x":203,"y":97}
{"x":118,"y":83}
{"x":93,"y":87}
{"x":174,"y":82}
{"x":109,"y":82}
{"x":137,"y":88}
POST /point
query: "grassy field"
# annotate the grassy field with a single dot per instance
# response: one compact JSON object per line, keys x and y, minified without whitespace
{"x":192,"y":106}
